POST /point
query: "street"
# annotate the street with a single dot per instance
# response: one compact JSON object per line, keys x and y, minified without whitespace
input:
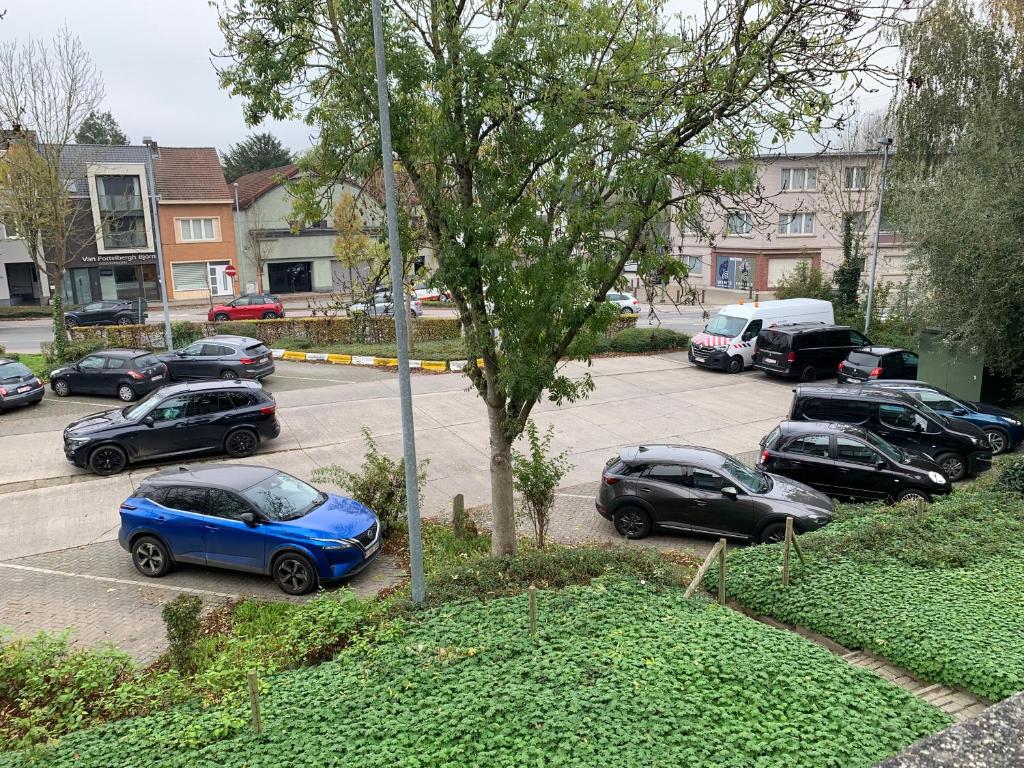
{"x":58,"y":524}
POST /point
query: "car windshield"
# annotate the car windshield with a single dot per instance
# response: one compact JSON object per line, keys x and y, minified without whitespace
{"x":283,"y":497}
{"x":13,"y":371}
{"x":889,"y":450}
{"x":751,"y":480}
{"x":726,"y":325}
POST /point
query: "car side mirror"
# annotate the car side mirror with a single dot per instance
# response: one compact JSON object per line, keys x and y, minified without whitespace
{"x":248,"y":518}
{"x":881,"y":464}
{"x":730,"y":492}
{"x":959,"y":411}
{"x":149,"y":421}
{"x":918,"y":427}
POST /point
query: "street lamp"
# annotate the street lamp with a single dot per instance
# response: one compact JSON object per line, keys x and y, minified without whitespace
{"x":886,"y":143}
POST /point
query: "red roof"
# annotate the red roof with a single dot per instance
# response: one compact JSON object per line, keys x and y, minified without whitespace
{"x":253,"y":186}
{"x":190,"y":173}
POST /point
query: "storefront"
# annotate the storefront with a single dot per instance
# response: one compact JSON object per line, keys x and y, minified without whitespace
{"x":112,"y":276}
{"x":734,"y":272}
{"x":290,"y":276}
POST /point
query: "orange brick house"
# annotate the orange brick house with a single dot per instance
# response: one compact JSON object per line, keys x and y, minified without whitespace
{"x":197,"y":225}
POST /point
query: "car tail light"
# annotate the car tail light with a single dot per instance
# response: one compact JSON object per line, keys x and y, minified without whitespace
{"x":37,"y":381}
{"x":791,"y":357}
{"x":609,"y":480}
{"x":842,"y":364}
{"x":136,"y":375}
{"x":636,"y":302}
{"x":875,"y":373}
{"x":764,"y":456}
{"x":268,"y":410}
{"x":3,"y":392}
{"x":246,"y":361}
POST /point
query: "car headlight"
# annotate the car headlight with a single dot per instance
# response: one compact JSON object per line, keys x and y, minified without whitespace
{"x":78,"y":442}
{"x":1011,"y":420}
{"x":980,"y":442}
{"x":936,"y":478}
{"x":333,"y":545}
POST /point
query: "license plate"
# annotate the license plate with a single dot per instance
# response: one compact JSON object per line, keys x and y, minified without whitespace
{"x":158,"y":377}
{"x":262,"y":359}
{"x":22,"y":390}
{"x":771,"y":359}
{"x":370,"y":550}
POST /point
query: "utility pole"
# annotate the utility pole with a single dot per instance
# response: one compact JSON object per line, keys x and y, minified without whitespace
{"x":886,"y":142}
{"x":401,"y":312}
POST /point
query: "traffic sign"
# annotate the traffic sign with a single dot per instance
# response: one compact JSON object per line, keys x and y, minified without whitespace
{"x":230,"y":270}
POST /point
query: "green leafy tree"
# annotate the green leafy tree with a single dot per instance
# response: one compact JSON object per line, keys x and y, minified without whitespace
{"x":537,"y":476}
{"x":100,"y":128}
{"x":806,"y":281}
{"x":259,"y":152}
{"x":956,"y":181}
{"x":547,"y":141}
{"x":847,"y":274}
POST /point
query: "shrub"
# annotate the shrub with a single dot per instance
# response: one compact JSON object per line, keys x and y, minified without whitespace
{"x":184,"y":333}
{"x":649,"y":340}
{"x":805,"y":282}
{"x":536,"y":477}
{"x":181,"y":616}
{"x":8,"y":355}
{"x":379,"y":484}
{"x":76,"y":350}
{"x":1011,"y":476}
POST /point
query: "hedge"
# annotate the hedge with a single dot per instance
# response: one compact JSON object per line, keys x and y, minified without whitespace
{"x":648,"y":340}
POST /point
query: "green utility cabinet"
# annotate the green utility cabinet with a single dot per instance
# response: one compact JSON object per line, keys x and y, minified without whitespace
{"x":956,"y":371}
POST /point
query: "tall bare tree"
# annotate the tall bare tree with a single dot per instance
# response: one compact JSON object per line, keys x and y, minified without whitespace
{"x":47,"y":91}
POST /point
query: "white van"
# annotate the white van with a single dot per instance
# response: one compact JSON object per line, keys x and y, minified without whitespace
{"x":728,"y":340}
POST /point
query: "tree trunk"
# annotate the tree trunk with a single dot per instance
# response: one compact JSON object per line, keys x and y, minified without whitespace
{"x":503,"y":517}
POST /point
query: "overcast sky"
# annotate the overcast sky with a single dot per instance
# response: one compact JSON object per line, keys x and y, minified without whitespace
{"x":156,"y":64}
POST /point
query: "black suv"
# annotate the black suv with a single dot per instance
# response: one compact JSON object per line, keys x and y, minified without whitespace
{"x":221,"y":357}
{"x":849,"y":462}
{"x":127,"y":373}
{"x":119,"y":312}
{"x":805,"y":351}
{"x":228,"y":416}
{"x":959,"y":448}
{"x":877,"y":363}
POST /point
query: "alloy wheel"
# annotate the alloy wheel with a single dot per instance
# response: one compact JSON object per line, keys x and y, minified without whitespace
{"x":149,"y":558}
{"x":631,"y":523}
{"x":953,"y":467}
{"x":61,"y":388}
{"x":108,"y":460}
{"x":775,"y":536}
{"x":293,"y":575}
{"x":241,"y":442}
{"x":228,"y":375}
{"x":913,"y":496}
{"x":997,"y":441}
{"x":126,"y":393}
{"x":220,"y":317}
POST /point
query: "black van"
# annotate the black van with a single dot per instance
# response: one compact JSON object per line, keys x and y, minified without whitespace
{"x":805,"y":351}
{"x":959,"y":448}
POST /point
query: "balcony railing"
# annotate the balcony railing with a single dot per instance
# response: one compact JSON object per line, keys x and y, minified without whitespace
{"x":132,"y":239}
{"x":120,"y":203}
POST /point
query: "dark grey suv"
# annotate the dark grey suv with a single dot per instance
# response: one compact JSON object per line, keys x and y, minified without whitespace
{"x":702,"y":491}
{"x":221,"y":357}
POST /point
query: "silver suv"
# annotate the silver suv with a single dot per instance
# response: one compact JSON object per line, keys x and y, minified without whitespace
{"x":702,"y":491}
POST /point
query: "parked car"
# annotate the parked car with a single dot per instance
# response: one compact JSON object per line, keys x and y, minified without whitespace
{"x":626,"y":302}
{"x":424,"y":292}
{"x":180,"y":419}
{"x":805,"y":351}
{"x":877,"y":363}
{"x":252,"y":306}
{"x":383,"y":306}
{"x":849,"y":462}
{"x":126,"y":373}
{"x":119,"y":312}
{"x":959,"y":448}
{"x":225,"y":357}
{"x":18,"y":385}
{"x":677,"y":488}
{"x":727,"y":342}
{"x":245,"y":518}
{"x":1004,"y":429}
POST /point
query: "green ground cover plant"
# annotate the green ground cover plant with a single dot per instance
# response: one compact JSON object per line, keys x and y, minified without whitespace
{"x":936,"y":590}
{"x":620,"y":673}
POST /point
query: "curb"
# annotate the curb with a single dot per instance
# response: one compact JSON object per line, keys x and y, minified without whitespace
{"x":437,"y":366}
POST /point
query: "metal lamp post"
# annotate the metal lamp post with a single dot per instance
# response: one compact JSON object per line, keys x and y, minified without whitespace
{"x":412,"y":492}
{"x":886,"y":143}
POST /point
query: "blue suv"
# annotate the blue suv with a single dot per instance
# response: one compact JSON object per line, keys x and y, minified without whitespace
{"x":1003,"y":429}
{"x":246,"y":518}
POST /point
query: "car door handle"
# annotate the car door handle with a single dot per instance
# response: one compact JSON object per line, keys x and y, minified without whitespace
{"x":699,"y":503}
{"x":645,"y":490}
{"x":211,"y":528}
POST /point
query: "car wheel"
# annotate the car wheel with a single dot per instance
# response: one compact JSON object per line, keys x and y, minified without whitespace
{"x":913,"y":495}
{"x":810,"y":373}
{"x":269,"y":315}
{"x":773,"y":533}
{"x":61,"y":388}
{"x":228,"y":375}
{"x":240,"y":443}
{"x":625,"y":311}
{"x":294,"y":574}
{"x":953,"y":466}
{"x":108,"y":460}
{"x":735,"y":364}
{"x":150,"y":556}
{"x":126,"y":393}
{"x":221,"y":317}
{"x":632,"y":522}
{"x":997,"y":440}
{"x":123,"y":320}
{"x":70,"y":322}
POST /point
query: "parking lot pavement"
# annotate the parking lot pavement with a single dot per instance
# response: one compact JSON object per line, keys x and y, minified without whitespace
{"x":96,"y":591}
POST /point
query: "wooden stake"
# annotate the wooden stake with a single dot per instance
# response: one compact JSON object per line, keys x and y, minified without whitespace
{"x":459,"y":516}
{"x":721,"y":571}
{"x":785,"y":552}
{"x":705,"y":566}
{"x":254,"y":702}
{"x":798,"y":548}
{"x":532,"y":591}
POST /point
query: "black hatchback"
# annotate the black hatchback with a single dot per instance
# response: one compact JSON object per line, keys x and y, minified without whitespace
{"x":18,"y":385}
{"x":959,"y":448}
{"x":873,"y":363}
{"x":221,"y":357}
{"x":805,"y":351}
{"x":232,"y":417}
{"x":126,"y":373}
{"x":849,"y":462}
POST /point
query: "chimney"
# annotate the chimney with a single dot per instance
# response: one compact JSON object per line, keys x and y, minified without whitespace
{"x":153,"y":147}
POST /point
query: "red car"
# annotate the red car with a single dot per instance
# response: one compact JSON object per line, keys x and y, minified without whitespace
{"x":252,"y":306}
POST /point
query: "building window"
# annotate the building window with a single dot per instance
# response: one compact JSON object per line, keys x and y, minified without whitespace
{"x":124,"y":232}
{"x":119,"y":195}
{"x":855,"y":177}
{"x":739,"y":223}
{"x":885,"y":223}
{"x":799,"y":178}
{"x":195,"y":230}
{"x":8,"y":230}
{"x":796,"y":224}
{"x":190,"y":276}
{"x":694,"y":264}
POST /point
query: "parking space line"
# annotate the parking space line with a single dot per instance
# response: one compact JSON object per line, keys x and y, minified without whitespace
{"x":113,"y":580}
{"x":574,"y":496}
